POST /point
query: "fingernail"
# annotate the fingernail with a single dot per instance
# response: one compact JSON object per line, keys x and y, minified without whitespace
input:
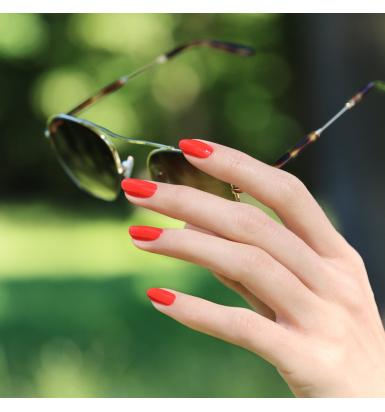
{"x":161,"y":296}
{"x":195,"y":148}
{"x":144,"y":232}
{"x":138,"y":188}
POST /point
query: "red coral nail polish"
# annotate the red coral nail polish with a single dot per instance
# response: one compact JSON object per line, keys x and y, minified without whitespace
{"x":161,"y":296}
{"x":195,"y":148}
{"x":138,"y":188}
{"x":144,"y":232}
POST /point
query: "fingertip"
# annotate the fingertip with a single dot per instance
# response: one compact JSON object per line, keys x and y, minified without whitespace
{"x":144,"y":233}
{"x":138,"y":187}
{"x":195,"y":148}
{"x":161,"y":297}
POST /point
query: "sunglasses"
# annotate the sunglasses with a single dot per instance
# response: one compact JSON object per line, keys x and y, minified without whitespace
{"x":89,"y":155}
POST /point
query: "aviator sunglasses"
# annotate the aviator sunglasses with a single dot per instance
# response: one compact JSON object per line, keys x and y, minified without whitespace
{"x":88,"y":154}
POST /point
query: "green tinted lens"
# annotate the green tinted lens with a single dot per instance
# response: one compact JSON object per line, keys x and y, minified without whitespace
{"x":171,"y":167}
{"x":86,"y":157}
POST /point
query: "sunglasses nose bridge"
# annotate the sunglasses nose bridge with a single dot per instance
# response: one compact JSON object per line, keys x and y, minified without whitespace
{"x":128,"y":166}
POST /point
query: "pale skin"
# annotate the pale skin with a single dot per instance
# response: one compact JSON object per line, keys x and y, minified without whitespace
{"x":312,"y":311}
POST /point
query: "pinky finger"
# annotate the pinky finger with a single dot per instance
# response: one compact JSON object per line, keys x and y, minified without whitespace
{"x":239,"y":326}
{"x":254,"y":303}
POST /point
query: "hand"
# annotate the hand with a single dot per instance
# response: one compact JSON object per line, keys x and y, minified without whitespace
{"x":314,"y":316}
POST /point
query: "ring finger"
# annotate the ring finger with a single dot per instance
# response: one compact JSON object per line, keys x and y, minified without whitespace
{"x":238,"y":222}
{"x":237,"y":287}
{"x":267,"y":279}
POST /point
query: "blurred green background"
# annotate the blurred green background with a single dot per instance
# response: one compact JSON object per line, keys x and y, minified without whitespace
{"x":74,"y":317}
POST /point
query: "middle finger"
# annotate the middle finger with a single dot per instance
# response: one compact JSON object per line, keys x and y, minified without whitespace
{"x":235,"y":221}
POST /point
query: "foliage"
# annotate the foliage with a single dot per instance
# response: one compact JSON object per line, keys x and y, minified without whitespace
{"x":74,"y":319}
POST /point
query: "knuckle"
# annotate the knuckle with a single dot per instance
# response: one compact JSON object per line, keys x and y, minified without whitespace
{"x":290,"y":188}
{"x":251,"y":260}
{"x":235,"y":160}
{"x":245,"y":217}
{"x":352,"y":299}
{"x":349,"y":294}
{"x":249,"y":218}
{"x":339,"y":330}
{"x":356,"y":259}
{"x":245,"y":323}
{"x":178,"y":195}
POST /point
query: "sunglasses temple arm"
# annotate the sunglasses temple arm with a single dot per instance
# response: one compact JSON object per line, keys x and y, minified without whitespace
{"x":316,"y":134}
{"x":233,"y":48}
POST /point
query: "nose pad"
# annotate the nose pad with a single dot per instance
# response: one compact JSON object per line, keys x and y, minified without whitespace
{"x":128,"y":167}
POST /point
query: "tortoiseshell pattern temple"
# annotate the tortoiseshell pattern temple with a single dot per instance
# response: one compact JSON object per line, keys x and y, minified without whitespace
{"x":110,"y":88}
{"x":240,"y":50}
{"x":233,"y":48}
{"x":215,"y":44}
{"x":316,"y":134}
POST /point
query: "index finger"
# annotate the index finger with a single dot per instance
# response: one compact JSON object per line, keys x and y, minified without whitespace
{"x":279,"y":190}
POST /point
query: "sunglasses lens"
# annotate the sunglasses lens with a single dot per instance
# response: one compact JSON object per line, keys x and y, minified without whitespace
{"x":86,"y":157}
{"x":171,"y":167}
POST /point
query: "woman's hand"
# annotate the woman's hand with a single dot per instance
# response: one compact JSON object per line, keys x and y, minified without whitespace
{"x":314,"y":315}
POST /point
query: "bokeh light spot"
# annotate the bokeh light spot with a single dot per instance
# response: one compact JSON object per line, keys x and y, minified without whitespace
{"x":278,"y":132}
{"x":117,"y":115}
{"x":176,"y":88}
{"x":60,"y":90}
{"x":21,"y":35}
{"x":136,"y":34}
{"x":273,"y":72}
{"x":249,"y":108}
